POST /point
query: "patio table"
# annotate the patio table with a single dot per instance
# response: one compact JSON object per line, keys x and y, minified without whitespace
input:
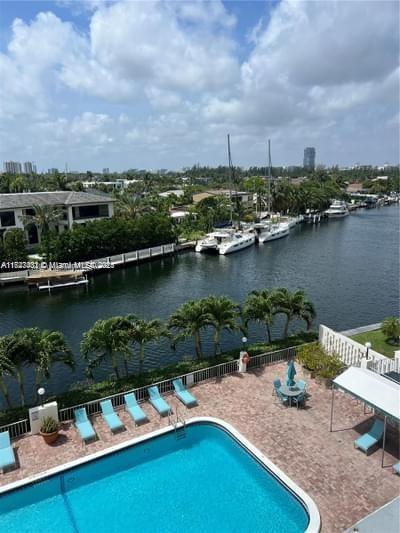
{"x":290,"y":392}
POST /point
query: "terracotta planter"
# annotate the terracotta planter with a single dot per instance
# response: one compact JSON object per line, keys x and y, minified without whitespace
{"x":49,"y":438}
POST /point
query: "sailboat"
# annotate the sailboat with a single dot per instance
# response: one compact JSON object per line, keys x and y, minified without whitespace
{"x":239,"y":239}
{"x":267,"y":230}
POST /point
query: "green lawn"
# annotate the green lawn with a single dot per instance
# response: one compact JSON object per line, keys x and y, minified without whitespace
{"x":378,"y":342}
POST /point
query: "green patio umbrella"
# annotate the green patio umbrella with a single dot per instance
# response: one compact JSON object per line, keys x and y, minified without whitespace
{"x":291,"y":372}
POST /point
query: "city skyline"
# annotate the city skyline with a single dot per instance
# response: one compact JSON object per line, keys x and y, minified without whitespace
{"x":159,"y":84}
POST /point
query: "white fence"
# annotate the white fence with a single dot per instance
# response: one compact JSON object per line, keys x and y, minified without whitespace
{"x":20,"y":428}
{"x":351,"y":352}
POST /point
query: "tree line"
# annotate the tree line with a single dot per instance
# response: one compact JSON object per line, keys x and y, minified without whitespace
{"x":118,"y":340}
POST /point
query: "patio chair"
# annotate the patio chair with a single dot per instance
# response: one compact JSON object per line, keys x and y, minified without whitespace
{"x":7,"y":456}
{"x":184,"y":395}
{"x":83,"y":425}
{"x":282,"y":397}
{"x":277,"y":385}
{"x":136,"y":412}
{"x":299,"y":400}
{"x":301,"y":384}
{"x":110,"y":417}
{"x":396,"y":468}
{"x":159,"y":404}
{"x":372,"y":437}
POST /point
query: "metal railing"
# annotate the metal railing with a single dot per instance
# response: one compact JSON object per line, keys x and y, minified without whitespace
{"x":18,"y":429}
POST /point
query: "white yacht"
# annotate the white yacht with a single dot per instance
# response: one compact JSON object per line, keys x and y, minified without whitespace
{"x":237,"y":241}
{"x":337,"y":209}
{"x":267,"y":231}
{"x":212,"y":240}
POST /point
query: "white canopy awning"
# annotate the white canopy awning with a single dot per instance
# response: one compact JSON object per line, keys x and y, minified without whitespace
{"x":374,"y":389}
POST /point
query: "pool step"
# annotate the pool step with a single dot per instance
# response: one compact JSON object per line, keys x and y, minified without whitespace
{"x":180,"y":433}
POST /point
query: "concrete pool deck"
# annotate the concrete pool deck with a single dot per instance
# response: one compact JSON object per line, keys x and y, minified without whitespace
{"x":345,"y":484}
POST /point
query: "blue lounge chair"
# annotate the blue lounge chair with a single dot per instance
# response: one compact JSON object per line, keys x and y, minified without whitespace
{"x":396,"y":468}
{"x":184,"y":395}
{"x":134,"y":409}
{"x":158,"y":402}
{"x":282,"y":397}
{"x":7,"y":457}
{"x":372,"y":437}
{"x":83,"y":425}
{"x":110,"y":417}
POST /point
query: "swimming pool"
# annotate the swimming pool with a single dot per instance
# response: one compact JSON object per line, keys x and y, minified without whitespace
{"x":208,"y":479}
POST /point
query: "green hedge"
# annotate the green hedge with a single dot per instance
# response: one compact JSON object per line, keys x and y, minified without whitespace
{"x":315,"y":359}
{"x":86,"y":392}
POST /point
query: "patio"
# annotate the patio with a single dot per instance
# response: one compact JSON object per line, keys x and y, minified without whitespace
{"x":345,"y":484}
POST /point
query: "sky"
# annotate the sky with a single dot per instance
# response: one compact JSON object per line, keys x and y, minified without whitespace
{"x":157,"y":84}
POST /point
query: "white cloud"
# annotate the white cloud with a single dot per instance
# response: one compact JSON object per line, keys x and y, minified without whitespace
{"x":142,"y":45}
{"x":162,"y":82}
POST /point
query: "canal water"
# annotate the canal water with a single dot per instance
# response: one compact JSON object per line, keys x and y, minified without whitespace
{"x":348,"y":267}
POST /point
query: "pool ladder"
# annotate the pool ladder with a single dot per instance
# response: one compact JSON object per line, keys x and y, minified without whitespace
{"x":179,"y":424}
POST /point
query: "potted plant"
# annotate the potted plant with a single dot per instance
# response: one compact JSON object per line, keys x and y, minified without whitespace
{"x":49,"y":429}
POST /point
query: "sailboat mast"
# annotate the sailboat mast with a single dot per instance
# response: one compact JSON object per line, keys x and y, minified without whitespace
{"x":269,"y":176}
{"x":230,"y":179}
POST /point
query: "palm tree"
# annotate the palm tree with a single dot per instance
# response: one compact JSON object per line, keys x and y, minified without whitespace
{"x":107,"y":339}
{"x":223,"y":313}
{"x":6,"y":369}
{"x":17,"y":347}
{"x":188,"y":321}
{"x":145,"y":331}
{"x":260,"y":307}
{"x":50,"y":347}
{"x":295,"y":305}
{"x":33,"y":347}
{"x":130,"y":206}
{"x":45,"y":217}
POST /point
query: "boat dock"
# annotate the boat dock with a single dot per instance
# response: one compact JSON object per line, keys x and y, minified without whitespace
{"x":56,"y":279}
{"x":42,"y":278}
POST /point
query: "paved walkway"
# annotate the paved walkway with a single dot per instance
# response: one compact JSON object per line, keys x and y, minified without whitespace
{"x":345,"y":484}
{"x":362,"y":329}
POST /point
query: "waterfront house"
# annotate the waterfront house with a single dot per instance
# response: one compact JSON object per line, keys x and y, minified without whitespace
{"x":242,"y":197}
{"x":76,"y":208}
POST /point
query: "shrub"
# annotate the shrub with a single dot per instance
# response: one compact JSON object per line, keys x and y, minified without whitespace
{"x":314,"y":358}
{"x":391,"y":329}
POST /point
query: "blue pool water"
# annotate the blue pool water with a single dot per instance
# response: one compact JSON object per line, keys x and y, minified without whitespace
{"x":203,"y":482}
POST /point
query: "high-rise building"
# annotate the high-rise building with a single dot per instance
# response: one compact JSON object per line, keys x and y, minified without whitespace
{"x":309,"y":158}
{"x":106,"y":170}
{"x":29,"y":167}
{"x":12,"y":167}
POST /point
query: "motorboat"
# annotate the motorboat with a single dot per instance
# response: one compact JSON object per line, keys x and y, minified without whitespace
{"x":268,"y":231}
{"x":337,"y":209}
{"x":238,"y":241}
{"x":212,"y":240}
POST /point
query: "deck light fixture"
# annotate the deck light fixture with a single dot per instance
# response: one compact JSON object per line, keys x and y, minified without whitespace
{"x":368,"y":346}
{"x":41,"y":393}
